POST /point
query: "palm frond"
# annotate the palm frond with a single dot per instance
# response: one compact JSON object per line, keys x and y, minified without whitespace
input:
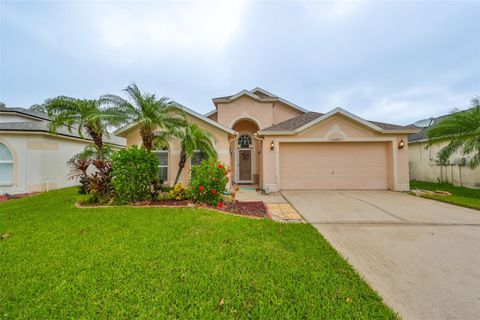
{"x":462,"y":133}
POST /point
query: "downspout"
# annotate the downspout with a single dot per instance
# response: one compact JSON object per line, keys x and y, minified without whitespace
{"x":232,"y":156}
{"x":255,"y":135}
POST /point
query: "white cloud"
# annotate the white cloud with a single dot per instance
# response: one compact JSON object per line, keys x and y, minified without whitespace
{"x":131,"y":32}
{"x":180,"y":27}
{"x":333,"y":10}
{"x":403,"y":107}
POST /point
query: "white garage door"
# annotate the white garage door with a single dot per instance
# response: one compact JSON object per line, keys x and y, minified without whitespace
{"x":333,"y":165}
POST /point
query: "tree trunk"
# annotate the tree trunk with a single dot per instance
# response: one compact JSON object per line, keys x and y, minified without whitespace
{"x":147,"y":139}
{"x":181,"y":165}
{"x":98,"y":141}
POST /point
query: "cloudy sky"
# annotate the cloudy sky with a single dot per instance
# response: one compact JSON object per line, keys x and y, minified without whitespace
{"x":388,"y":61}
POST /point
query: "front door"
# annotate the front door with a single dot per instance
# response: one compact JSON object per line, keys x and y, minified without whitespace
{"x":244,"y":166}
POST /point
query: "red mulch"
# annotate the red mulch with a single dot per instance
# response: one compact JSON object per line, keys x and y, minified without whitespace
{"x":5,"y":197}
{"x":245,"y":208}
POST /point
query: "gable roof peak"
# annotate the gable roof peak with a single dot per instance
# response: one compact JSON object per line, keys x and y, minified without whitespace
{"x":264,"y":92}
{"x":306,"y":120}
{"x":265,"y":96}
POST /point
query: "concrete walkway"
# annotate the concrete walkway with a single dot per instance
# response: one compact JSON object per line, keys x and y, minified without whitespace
{"x":422,"y":256}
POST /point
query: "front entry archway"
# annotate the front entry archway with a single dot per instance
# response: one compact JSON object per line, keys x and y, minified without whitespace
{"x":244,"y":159}
{"x":246,"y":153}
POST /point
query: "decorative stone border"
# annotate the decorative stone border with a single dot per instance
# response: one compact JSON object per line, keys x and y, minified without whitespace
{"x":284,"y":212}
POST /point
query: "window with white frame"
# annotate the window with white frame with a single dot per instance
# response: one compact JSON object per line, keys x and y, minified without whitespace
{"x":162,"y":156}
{"x":6,"y":166}
{"x":197,"y":158}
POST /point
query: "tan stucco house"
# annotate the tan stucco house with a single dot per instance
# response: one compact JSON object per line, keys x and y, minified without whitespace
{"x":279,"y":145}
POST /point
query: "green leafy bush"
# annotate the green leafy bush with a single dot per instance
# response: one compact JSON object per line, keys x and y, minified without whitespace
{"x":208,"y":182}
{"x":134,"y":171}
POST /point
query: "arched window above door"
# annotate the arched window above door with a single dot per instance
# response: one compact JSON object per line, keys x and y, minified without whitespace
{"x":245,"y":141}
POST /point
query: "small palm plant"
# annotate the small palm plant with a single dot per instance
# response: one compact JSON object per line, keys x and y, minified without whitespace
{"x":194,"y":139}
{"x":149,"y":113}
{"x":462,"y":132}
{"x":86,"y":116}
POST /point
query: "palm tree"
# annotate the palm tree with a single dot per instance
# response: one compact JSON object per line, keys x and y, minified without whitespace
{"x":149,"y":113}
{"x":194,"y":139}
{"x":462,"y":131}
{"x":86,"y":116}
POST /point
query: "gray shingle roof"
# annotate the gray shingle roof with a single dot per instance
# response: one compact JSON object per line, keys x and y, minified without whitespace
{"x":303,"y":119}
{"x":294,"y":123}
{"x":389,"y":126}
{"x":43,"y":126}
{"x":28,"y":112}
{"x":422,"y":134}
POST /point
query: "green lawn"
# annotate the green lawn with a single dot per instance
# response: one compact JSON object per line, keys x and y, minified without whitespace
{"x":461,"y":196}
{"x":120,"y":263}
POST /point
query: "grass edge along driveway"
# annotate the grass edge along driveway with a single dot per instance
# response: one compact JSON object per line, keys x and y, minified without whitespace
{"x":121,"y":263}
{"x":461,"y":196}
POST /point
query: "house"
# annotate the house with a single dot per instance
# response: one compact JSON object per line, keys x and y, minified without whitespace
{"x":277,"y":144}
{"x":34,"y":159}
{"x":425,"y":166}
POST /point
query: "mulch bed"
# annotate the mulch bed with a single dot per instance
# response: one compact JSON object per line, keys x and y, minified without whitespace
{"x":245,"y":208}
{"x":5,"y":197}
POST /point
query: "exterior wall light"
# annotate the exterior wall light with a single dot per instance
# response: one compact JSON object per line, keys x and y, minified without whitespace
{"x":272,"y":145}
{"x":401,"y":144}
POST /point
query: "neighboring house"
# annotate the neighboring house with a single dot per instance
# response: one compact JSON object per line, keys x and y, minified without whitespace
{"x":424,"y":164}
{"x":276,"y":144}
{"x":32,"y":158}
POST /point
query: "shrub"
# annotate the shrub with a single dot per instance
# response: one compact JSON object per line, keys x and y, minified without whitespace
{"x":95,"y":184}
{"x":99,"y":183}
{"x":178,"y":192}
{"x":208,"y":182}
{"x":78,"y":170}
{"x":134,"y":171}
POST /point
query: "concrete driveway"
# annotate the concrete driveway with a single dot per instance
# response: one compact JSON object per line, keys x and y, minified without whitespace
{"x":422,"y":256}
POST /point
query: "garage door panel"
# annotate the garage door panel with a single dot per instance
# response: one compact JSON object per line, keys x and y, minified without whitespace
{"x":356,"y":165}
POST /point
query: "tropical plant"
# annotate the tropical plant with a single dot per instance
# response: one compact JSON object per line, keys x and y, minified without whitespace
{"x":91,"y":152}
{"x":178,"y":192}
{"x":208,"y":182}
{"x":134,"y":172}
{"x":99,"y":183}
{"x":194,"y":139}
{"x":86,"y":116}
{"x":462,"y":132}
{"x":78,"y":170}
{"x":152,"y":115}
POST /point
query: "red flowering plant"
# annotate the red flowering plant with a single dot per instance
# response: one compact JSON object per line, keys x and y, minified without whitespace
{"x":208,"y":182}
